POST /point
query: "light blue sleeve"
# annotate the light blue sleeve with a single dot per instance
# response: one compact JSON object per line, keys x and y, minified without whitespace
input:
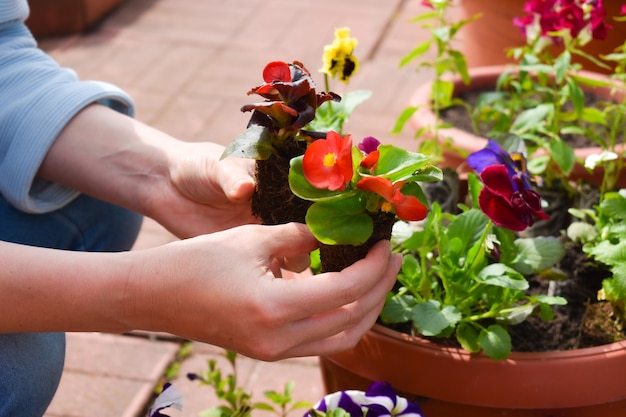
{"x":37,"y":99}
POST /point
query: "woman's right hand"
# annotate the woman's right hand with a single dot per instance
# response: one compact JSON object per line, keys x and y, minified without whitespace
{"x":225,"y":289}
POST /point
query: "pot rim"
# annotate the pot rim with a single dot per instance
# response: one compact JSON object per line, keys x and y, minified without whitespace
{"x":533,"y":380}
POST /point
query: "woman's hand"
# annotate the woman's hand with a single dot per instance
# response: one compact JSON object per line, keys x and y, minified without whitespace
{"x":223,"y":289}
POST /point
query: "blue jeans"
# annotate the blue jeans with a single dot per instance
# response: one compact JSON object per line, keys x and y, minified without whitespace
{"x":31,"y":363}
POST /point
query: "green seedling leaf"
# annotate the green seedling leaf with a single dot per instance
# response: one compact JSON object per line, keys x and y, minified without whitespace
{"x":495,"y":342}
{"x":536,"y":254}
{"x":431,"y":319}
{"x":501,"y":275}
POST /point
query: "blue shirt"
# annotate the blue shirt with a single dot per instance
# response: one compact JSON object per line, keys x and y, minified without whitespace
{"x":37,"y":99}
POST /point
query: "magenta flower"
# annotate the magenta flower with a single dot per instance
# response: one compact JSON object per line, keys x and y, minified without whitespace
{"x":570,"y":15}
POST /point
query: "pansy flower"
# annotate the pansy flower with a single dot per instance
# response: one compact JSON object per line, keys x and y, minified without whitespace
{"x":495,"y":154}
{"x":506,"y":200}
{"x":327,"y":163}
{"x":379,"y":400}
{"x":406,"y":207}
{"x":338,"y":59}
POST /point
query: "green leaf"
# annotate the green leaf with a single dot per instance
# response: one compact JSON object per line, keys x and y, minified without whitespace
{"x":398,"y":309}
{"x":415,"y":53}
{"x":495,"y":342}
{"x":593,"y":115}
{"x":501,"y":275}
{"x":563,"y":155}
{"x":468,"y":226}
{"x":441,"y":93}
{"x":530,"y":119}
{"x":340,"y":221}
{"x":404,"y":117}
{"x":351,"y":100}
{"x":399,"y":164}
{"x":467,"y":336}
{"x":536,"y":254}
{"x":254,"y":143}
{"x":577,"y":95}
{"x":431,"y":319}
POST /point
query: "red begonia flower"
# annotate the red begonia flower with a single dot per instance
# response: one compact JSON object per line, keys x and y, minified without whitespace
{"x":514,"y":210}
{"x":371,"y":159}
{"x":327,"y":163}
{"x":406,"y":207}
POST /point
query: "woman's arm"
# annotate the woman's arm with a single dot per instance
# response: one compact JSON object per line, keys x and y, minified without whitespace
{"x":214,"y":288}
{"x":182,"y":185}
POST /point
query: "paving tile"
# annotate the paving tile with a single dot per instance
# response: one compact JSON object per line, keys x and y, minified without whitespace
{"x":82,"y":395}
{"x":110,"y":375}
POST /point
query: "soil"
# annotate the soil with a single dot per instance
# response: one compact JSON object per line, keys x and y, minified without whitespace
{"x":272,"y":201}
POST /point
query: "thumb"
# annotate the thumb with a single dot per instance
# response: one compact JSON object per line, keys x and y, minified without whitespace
{"x":237,"y":178}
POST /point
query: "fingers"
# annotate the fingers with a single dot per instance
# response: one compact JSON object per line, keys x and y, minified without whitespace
{"x":331,"y":312}
{"x":342,"y":328}
{"x":237,"y":178}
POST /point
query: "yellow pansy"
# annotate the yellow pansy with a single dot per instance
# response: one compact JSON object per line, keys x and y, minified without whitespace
{"x":338,"y":59}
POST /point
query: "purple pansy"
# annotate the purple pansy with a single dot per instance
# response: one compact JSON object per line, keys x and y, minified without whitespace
{"x":506,"y":198}
{"x":495,"y":154}
{"x":378,"y":401}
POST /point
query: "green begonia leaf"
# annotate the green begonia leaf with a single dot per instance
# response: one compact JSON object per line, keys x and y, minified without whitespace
{"x":340,"y":221}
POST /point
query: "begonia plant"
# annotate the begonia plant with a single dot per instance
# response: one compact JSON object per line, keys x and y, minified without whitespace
{"x":355,"y":187}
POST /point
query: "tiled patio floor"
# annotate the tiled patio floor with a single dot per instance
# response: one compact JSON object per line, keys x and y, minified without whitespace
{"x":188,"y":64}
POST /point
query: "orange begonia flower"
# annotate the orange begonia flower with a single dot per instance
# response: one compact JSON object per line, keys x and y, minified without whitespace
{"x":327,"y":163}
{"x":406,"y":207}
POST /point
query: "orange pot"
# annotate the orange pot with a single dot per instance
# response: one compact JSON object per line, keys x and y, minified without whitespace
{"x":450,"y":382}
{"x":464,"y":143}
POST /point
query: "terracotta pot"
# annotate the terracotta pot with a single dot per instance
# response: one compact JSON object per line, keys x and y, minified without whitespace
{"x":464,"y":143}
{"x":496,"y":25}
{"x":450,"y":382}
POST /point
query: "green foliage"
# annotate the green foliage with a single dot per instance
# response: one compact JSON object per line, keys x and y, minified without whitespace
{"x":341,"y":217}
{"x":457,"y":279}
{"x":604,"y":239}
{"x":237,"y":401}
{"x":447,"y":61}
{"x":333,"y":115}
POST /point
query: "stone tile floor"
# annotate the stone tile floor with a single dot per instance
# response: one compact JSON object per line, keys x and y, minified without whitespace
{"x":188,"y":64}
